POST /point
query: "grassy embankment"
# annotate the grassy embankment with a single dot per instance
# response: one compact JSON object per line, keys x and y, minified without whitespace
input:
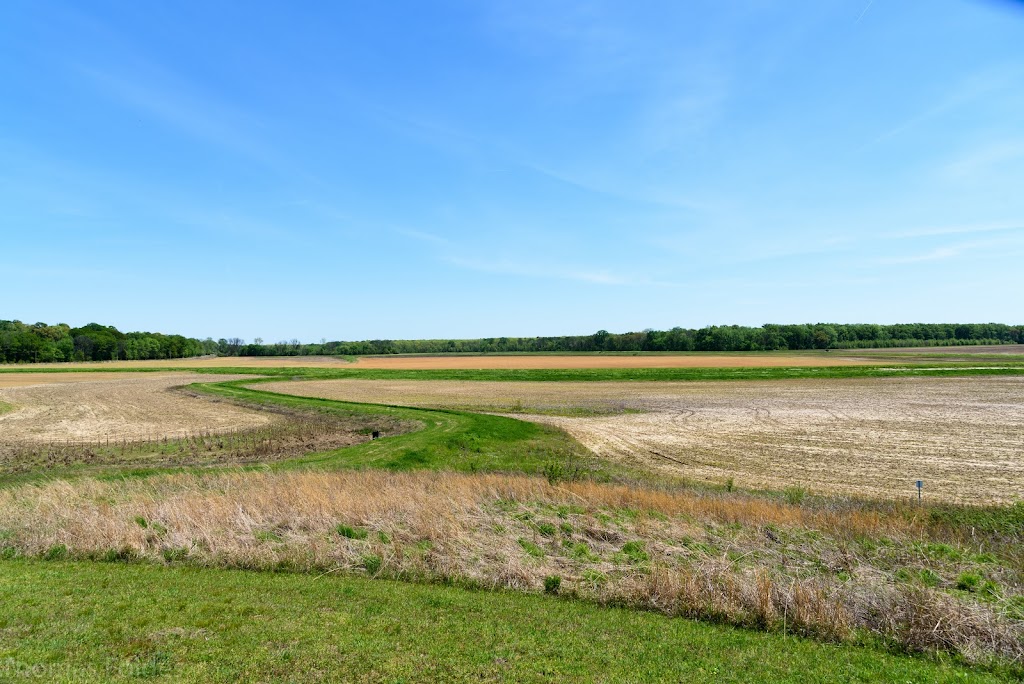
{"x":123,"y":622}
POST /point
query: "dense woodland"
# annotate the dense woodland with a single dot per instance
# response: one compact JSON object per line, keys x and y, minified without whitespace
{"x":39,"y":342}
{"x":712,"y":338}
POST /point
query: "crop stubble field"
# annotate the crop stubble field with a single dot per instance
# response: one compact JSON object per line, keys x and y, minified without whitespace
{"x":75,"y":407}
{"x":867,"y":437}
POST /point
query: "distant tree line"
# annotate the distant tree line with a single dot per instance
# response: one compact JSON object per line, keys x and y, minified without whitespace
{"x":712,"y":338}
{"x":39,"y":342}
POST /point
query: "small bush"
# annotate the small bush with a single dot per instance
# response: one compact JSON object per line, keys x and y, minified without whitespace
{"x":730,"y":485}
{"x":531,"y":548}
{"x":1015,"y":608}
{"x":928,"y":578}
{"x":968,"y":581}
{"x":350,"y":532}
{"x":581,"y":552}
{"x":266,"y":536}
{"x":372,"y":562}
{"x":175,"y":554}
{"x":635,"y":552}
{"x":118,"y":555}
{"x":566,"y":528}
{"x":546,"y":528}
{"x":56,"y":552}
{"x":141,"y":522}
{"x":942,"y":552}
{"x":595,"y":578}
{"x":552,"y":583}
{"x":794,"y":495}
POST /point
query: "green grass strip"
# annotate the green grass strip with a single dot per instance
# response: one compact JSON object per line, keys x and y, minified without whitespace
{"x":449,"y":440}
{"x":108,"y":622}
{"x":590,"y":374}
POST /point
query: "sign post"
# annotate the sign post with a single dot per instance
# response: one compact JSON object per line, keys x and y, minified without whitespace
{"x":920,"y":486}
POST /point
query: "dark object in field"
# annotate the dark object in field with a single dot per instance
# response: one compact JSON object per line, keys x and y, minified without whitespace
{"x":376,"y":434}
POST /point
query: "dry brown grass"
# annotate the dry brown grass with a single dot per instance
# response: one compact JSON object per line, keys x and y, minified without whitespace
{"x":866,"y":437}
{"x":727,"y":557}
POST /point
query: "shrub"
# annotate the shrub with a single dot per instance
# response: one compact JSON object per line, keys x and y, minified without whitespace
{"x":635,"y":552}
{"x":175,"y":554}
{"x":581,"y":552}
{"x":546,"y":528}
{"x":350,"y":532}
{"x":118,"y":555}
{"x":794,"y":495}
{"x":531,"y":548}
{"x":56,"y":552}
{"x":595,"y":578}
{"x":372,"y":562}
{"x":968,"y":581}
{"x":552,"y":583}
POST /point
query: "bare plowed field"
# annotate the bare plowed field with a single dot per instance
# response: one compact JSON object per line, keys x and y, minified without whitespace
{"x":91,"y":406}
{"x":30,"y":379}
{"x":963,"y":436}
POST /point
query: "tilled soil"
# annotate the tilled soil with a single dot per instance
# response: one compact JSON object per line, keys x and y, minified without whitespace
{"x":117,"y":406}
{"x":964,"y":437}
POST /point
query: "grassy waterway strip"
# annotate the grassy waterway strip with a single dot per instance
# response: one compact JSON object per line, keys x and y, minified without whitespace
{"x":887,"y":370}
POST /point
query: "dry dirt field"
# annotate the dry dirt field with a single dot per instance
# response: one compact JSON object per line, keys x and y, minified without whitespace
{"x":30,"y":379}
{"x":874,"y":437}
{"x":96,"y":406}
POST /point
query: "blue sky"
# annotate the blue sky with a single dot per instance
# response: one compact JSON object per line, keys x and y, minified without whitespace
{"x":352,"y":170}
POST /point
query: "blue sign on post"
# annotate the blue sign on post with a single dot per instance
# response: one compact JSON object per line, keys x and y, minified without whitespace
{"x":920,"y":486}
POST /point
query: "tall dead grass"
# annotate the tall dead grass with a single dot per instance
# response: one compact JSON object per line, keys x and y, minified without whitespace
{"x":712,"y":556}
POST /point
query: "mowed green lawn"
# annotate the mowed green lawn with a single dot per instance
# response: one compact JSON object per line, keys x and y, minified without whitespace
{"x":98,"y":622}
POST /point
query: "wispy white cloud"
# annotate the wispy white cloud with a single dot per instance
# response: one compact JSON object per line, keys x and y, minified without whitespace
{"x":557,"y":272}
{"x":170,"y":102}
{"x":984,"y":159}
{"x":931,"y":255}
{"x":968,"y":90}
{"x":961,"y":229}
{"x":992,"y":246}
{"x":536,"y":271}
